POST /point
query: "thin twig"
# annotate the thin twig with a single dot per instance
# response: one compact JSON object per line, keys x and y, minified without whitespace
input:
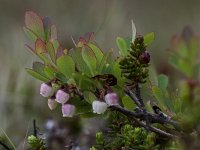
{"x":153,"y":118}
{"x":138,"y":95}
{"x":134,"y":116}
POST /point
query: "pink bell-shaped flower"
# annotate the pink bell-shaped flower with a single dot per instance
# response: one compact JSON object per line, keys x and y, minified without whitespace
{"x":52,"y":103}
{"x":99,"y":107}
{"x":68,"y":110}
{"x":62,"y":96}
{"x":46,"y":90}
{"x":112,"y":99}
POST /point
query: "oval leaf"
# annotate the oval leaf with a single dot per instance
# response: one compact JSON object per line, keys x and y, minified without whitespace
{"x":30,"y":34}
{"x":97,"y":51}
{"x":34,"y":23}
{"x":149,"y":38}
{"x":163,"y":82}
{"x":90,"y":59}
{"x":128,"y":103}
{"x":66,"y":65}
{"x":121,"y":43}
{"x":36,"y":75}
{"x":51,"y":50}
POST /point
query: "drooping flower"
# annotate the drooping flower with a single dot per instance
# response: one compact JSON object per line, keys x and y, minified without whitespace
{"x":99,"y":107}
{"x":62,"y":96}
{"x":46,"y":90}
{"x":52,"y":103}
{"x":112,"y":99}
{"x":68,"y":110}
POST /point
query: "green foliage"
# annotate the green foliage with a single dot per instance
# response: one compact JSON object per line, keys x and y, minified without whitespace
{"x":162,"y":95}
{"x":184,"y":54}
{"x":123,"y":134}
{"x":121,"y":43}
{"x":134,"y":65}
{"x":149,"y":38}
{"x":36,"y":143}
{"x":84,"y":72}
{"x":90,"y":59}
{"x":128,"y":103}
{"x":66,"y":65}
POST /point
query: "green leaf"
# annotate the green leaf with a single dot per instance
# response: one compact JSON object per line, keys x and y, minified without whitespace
{"x":49,"y":72}
{"x":36,"y":75}
{"x":84,"y":82}
{"x":163,"y":82}
{"x":66,"y":65}
{"x":117,"y":72}
{"x":34,"y":23}
{"x":90,"y":59}
{"x":158,"y":94}
{"x":97,"y":51}
{"x":148,"y":38}
{"x":56,"y":44}
{"x":39,"y":68}
{"x":47,"y":27}
{"x":89,"y":96}
{"x":121,"y":43}
{"x":133,"y":31}
{"x":30,"y":34}
{"x":128,"y":103}
{"x":51,"y":50}
{"x":61,"y":77}
{"x":76,"y":54}
{"x":44,"y":58}
{"x":173,"y":60}
{"x":104,"y":61}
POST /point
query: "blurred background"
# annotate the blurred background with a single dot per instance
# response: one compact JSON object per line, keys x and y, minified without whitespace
{"x":20,"y":101}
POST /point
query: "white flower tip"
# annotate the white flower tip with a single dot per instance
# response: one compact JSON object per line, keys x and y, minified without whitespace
{"x":99,"y":107}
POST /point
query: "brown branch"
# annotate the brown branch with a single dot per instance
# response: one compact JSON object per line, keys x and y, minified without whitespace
{"x":151,"y":117}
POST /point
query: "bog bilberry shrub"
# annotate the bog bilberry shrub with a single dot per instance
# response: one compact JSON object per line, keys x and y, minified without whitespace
{"x":88,"y":81}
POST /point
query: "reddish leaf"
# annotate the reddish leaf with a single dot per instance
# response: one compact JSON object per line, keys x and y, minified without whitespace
{"x":51,"y":51}
{"x":47,"y":27}
{"x":34,"y":23}
{"x":59,"y":52}
{"x":40,"y":46}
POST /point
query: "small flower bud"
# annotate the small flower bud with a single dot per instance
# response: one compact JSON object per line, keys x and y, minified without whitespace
{"x":62,"y":97}
{"x":144,"y":57}
{"x":68,"y":110}
{"x":99,"y":107}
{"x":52,"y":103}
{"x":139,"y":39}
{"x":111,"y":99}
{"x":46,"y":90}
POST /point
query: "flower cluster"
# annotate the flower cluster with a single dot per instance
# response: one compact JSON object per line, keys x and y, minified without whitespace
{"x":100,"y":107}
{"x":60,"y":96}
